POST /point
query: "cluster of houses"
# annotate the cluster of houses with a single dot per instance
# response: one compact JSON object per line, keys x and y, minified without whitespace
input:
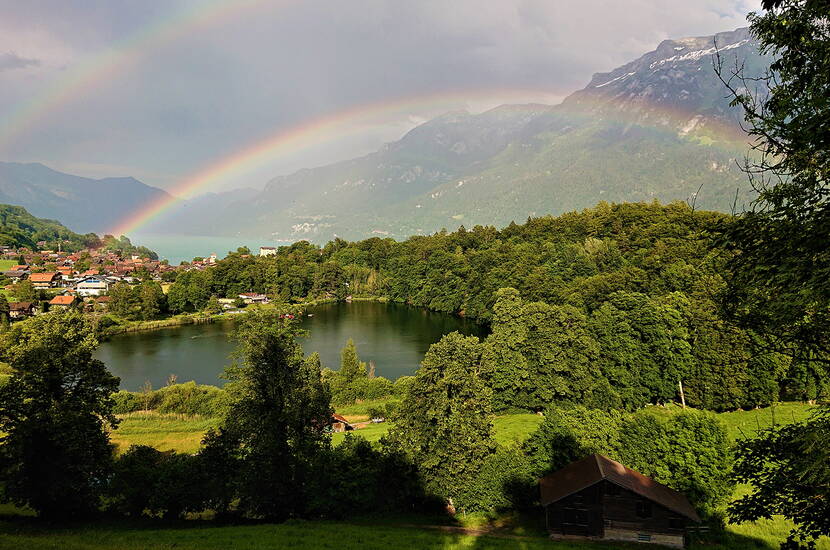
{"x":86,"y":277}
{"x":80,"y":277}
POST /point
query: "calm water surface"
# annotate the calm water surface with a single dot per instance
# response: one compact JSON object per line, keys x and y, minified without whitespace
{"x":393,"y":336}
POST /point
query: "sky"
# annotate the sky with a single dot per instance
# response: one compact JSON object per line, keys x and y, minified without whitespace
{"x":162,"y":90}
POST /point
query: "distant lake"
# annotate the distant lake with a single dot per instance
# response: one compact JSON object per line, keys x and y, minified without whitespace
{"x":395,"y":337}
{"x":178,"y":248}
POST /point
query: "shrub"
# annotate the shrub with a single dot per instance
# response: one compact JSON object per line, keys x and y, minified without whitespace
{"x":506,"y":481}
{"x":187,"y":398}
{"x":355,"y":477}
{"x":157,"y":483}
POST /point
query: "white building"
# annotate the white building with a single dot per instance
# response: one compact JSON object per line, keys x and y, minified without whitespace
{"x":92,"y":286}
{"x":267,"y":251}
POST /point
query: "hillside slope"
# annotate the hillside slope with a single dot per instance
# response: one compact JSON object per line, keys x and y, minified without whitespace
{"x":659,"y":127}
{"x":18,"y":228}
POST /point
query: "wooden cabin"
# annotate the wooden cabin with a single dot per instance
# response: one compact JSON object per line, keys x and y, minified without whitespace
{"x":599,"y":498}
{"x":339,"y":423}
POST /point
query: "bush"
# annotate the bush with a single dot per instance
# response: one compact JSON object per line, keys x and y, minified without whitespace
{"x":187,"y":398}
{"x":147,"y":481}
{"x":506,"y":481}
{"x":127,"y":402}
{"x":355,"y":477}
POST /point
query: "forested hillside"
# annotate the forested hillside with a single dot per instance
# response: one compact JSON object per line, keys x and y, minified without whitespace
{"x":613,"y":306}
{"x":18,"y":228}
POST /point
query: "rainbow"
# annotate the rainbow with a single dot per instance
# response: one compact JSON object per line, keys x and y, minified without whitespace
{"x":342,"y":124}
{"x":102,"y":66}
{"x":335,"y":126}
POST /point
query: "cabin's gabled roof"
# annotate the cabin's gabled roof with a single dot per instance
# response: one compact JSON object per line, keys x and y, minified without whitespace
{"x":592,"y":469}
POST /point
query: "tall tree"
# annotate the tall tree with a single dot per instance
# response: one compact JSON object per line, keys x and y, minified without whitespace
{"x":54,"y":452}
{"x":780,"y":280}
{"x":277,"y":420}
{"x":351,"y":368}
{"x":445,"y":422}
{"x":123,"y":300}
{"x":781,"y":273}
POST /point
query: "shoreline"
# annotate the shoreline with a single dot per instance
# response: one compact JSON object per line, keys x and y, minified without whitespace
{"x":202,"y":318}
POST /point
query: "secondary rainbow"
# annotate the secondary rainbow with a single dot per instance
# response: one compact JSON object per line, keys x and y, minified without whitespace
{"x":104,"y":65}
{"x":342,"y":124}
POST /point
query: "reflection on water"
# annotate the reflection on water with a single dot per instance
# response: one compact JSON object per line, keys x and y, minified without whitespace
{"x":393,"y":336}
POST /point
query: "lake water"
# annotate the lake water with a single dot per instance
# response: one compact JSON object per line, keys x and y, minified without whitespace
{"x":393,"y":336}
{"x":178,"y":248}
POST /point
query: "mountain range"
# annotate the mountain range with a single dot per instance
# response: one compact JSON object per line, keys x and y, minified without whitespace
{"x":659,"y":127}
{"x":83,"y":204}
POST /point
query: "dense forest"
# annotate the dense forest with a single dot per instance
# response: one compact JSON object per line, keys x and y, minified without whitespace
{"x":613,"y":306}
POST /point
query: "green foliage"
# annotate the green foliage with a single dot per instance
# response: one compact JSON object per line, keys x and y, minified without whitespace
{"x":25,"y":291}
{"x":779,"y":278}
{"x":18,"y":229}
{"x":686,"y":450}
{"x":505,"y":482}
{"x":278,"y":413}
{"x":54,"y":451}
{"x":145,"y":301}
{"x":537,"y":353}
{"x":187,"y":398}
{"x":444,"y":424}
{"x":354,"y":477}
{"x":788,"y":468}
{"x":147,"y":481}
{"x":351,"y":368}
{"x":125,"y":248}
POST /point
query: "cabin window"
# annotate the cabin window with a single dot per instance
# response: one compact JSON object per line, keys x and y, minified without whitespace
{"x":643,"y":509}
{"x":643,"y":537}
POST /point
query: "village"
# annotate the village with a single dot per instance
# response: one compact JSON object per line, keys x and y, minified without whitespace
{"x":83,"y":280}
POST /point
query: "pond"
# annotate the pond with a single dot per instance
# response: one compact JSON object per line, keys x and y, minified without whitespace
{"x":393,"y":336}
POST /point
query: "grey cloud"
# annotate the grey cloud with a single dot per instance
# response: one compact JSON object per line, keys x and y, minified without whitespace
{"x":10,"y":61}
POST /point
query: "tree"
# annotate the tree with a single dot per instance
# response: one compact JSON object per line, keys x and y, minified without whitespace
{"x":55,"y":453}
{"x":444,"y":423}
{"x":4,"y":311}
{"x":152,"y":300}
{"x":25,"y":291}
{"x":213,"y":306}
{"x":123,"y":300}
{"x":789,"y":470}
{"x":277,"y":420}
{"x":781,"y":263}
{"x":351,"y":368}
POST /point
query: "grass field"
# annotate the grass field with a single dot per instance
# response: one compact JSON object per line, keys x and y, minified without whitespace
{"x":318,"y":535}
{"x":417,"y":533}
{"x":182,"y":433}
{"x":746,"y":423}
{"x":6,"y":265}
{"x":165,"y":432}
